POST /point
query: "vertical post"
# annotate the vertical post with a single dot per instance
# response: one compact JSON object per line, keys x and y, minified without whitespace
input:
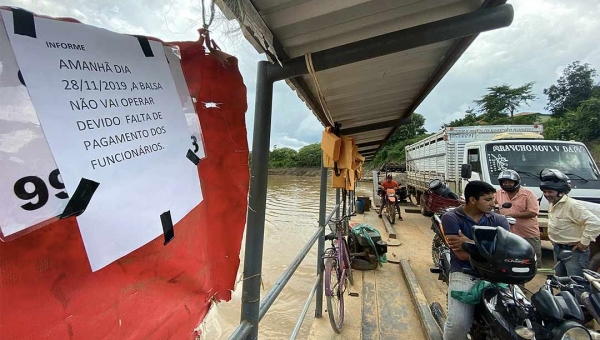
{"x":349,"y":204}
{"x":344,"y":199}
{"x":337,"y":202}
{"x":321,"y":242}
{"x":255,"y":230}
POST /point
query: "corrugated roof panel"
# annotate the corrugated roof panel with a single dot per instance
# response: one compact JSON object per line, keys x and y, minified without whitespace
{"x":384,"y":89}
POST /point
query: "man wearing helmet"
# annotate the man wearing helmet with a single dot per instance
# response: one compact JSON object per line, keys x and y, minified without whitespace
{"x":570,"y":225}
{"x":524,"y":209}
{"x":389,"y":183}
{"x":458,"y":225}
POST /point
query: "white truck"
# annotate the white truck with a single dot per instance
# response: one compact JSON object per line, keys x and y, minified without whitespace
{"x":487,"y":150}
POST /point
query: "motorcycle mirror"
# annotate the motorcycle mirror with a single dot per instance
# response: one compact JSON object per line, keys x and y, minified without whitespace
{"x":507,"y":205}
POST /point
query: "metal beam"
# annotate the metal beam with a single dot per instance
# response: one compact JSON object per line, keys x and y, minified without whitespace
{"x":442,"y":30}
{"x":367,"y":148}
{"x":369,"y":143}
{"x":255,"y":230}
{"x":364,"y":128}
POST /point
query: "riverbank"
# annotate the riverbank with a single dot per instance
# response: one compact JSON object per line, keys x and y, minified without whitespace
{"x":307,"y":172}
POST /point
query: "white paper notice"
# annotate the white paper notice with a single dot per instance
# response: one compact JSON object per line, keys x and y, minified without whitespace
{"x":109,"y":109}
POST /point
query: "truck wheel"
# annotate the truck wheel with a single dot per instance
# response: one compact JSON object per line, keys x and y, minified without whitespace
{"x":424,"y":210}
{"x":595,"y":263}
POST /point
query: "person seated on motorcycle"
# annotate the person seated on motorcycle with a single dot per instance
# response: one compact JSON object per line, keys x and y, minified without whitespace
{"x":458,"y":225}
{"x":524,"y":209}
{"x":571,"y":226}
{"x":389,"y":183}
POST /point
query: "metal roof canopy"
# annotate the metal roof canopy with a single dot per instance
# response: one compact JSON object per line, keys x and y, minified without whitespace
{"x":377,"y":91}
{"x":415,"y":42}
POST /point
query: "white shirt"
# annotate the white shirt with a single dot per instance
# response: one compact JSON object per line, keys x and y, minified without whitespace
{"x":571,"y":222}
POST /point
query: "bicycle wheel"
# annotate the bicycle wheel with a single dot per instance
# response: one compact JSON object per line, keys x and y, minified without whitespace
{"x":335,"y":298}
{"x":349,"y":274}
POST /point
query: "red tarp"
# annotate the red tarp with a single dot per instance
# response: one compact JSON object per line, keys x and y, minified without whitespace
{"x":48,"y":291}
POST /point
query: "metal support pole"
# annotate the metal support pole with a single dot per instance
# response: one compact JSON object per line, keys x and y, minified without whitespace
{"x":255,"y":230}
{"x":337,"y":202}
{"x":350,"y":207}
{"x":344,"y":199}
{"x":321,"y":244}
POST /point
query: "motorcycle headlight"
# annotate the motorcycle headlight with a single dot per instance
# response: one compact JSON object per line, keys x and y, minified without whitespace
{"x":571,"y":330}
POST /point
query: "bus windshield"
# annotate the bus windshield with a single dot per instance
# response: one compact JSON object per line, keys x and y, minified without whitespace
{"x":530,"y":158}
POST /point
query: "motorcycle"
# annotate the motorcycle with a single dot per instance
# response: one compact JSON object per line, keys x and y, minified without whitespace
{"x":504,"y":312}
{"x":390,"y":204}
{"x":440,"y":201}
{"x":586,"y":289}
{"x":440,"y":251}
{"x":402,"y":193}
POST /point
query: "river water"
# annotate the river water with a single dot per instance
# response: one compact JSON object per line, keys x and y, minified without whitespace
{"x":291,"y":219}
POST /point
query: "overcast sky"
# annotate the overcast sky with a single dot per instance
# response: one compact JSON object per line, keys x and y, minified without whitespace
{"x":545,"y":36}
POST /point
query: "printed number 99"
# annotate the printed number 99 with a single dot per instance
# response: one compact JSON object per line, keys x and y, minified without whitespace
{"x":40,"y":190}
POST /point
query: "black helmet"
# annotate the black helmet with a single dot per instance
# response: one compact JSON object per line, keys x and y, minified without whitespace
{"x":509,"y":175}
{"x":440,"y":188}
{"x":500,"y":256}
{"x":552,"y":179}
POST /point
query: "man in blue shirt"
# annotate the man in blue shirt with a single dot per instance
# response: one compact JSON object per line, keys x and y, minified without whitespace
{"x":458,"y":225}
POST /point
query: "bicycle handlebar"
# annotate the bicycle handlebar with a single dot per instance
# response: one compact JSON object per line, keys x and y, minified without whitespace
{"x":337,"y":220}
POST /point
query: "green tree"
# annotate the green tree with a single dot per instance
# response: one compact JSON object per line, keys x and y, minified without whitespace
{"x":469,"y":119}
{"x":574,"y":86}
{"x":410,"y":130}
{"x":309,"y":155}
{"x":282,"y":158}
{"x":587,"y":120}
{"x":393,"y":149}
{"x":503,"y":100}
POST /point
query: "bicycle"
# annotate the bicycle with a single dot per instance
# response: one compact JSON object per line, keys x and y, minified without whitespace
{"x":337,"y":272}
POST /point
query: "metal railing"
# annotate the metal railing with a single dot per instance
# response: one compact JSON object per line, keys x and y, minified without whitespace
{"x":245,"y":328}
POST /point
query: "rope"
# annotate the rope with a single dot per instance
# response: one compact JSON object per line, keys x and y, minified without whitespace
{"x":212,"y":14}
{"x":311,"y":70}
